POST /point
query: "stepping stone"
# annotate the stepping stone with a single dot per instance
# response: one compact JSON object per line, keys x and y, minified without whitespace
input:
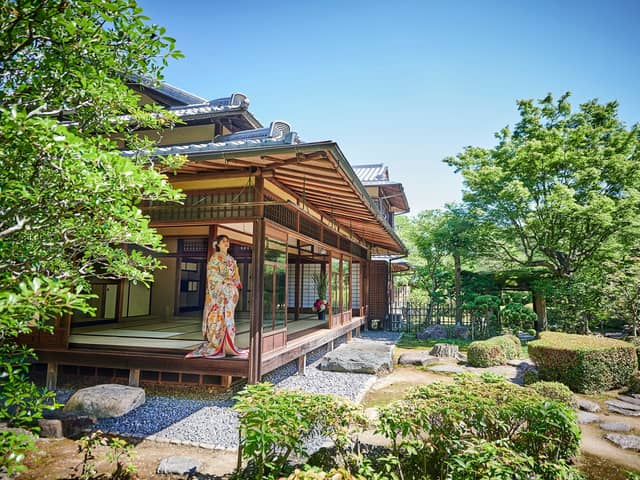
{"x":360,"y":357}
{"x":106,"y":401}
{"x":628,"y":399}
{"x":588,"y":417}
{"x":588,"y":405}
{"x":446,"y":369}
{"x":624,"y":411}
{"x":178,"y":465}
{"x":627,"y":442}
{"x":420,"y":357}
{"x":615,"y":426}
{"x":623,"y":405}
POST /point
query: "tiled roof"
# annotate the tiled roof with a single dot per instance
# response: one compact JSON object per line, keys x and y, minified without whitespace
{"x":278,"y":133}
{"x":177,"y":94}
{"x":373,"y":173}
{"x":237,"y":101}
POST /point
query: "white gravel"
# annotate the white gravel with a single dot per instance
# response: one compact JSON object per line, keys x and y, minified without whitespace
{"x":211,"y":423}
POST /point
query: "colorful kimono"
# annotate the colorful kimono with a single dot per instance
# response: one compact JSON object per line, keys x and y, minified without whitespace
{"x":218,"y":325}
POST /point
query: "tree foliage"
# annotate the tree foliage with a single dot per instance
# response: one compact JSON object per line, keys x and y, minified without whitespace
{"x":558,"y":187}
{"x":69,"y":202}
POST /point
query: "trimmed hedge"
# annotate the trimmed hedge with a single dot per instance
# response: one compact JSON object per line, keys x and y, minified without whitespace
{"x":584,"y":363}
{"x":555,"y":391}
{"x":494,"y":351}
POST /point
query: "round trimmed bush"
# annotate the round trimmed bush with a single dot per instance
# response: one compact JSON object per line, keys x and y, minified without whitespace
{"x":494,"y":351}
{"x":555,"y":391}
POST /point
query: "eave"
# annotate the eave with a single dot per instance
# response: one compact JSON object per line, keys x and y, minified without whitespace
{"x":318,"y":174}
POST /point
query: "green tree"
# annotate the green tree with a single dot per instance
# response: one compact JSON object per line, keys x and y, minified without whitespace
{"x":557,"y":188}
{"x":70,"y":203}
{"x":435,"y":266}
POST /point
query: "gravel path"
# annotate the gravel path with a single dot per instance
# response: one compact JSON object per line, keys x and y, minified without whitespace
{"x":211,"y":423}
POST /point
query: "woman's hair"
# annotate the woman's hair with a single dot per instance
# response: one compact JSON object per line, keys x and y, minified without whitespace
{"x":217,"y":241}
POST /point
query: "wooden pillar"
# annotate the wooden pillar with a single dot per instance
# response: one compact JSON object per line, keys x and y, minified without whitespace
{"x":330,"y":346}
{"x":134,"y":377}
{"x":302,"y":365}
{"x":226,"y":381}
{"x":52,"y":376}
{"x":298,"y":282}
{"x":349,"y":336}
{"x":257,"y":265}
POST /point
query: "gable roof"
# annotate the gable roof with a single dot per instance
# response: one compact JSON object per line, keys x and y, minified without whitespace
{"x":377,"y":175}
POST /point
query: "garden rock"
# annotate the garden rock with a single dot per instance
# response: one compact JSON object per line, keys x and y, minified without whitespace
{"x":623,"y":411}
{"x":420,"y":357}
{"x":627,"y":442}
{"x":106,"y":401}
{"x":588,"y":405}
{"x":178,"y":465}
{"x":615,"y":426}
{"x":433,"y":331}
{"x":460,"y":331}
{"x":623,"y":405}
{"x":360,"y":357}
{"x":444,"y":350}
{"x":587,"y":417}
{"x":446,"y":369}
{"x":629,"y":399}
{"x":61,"y":423}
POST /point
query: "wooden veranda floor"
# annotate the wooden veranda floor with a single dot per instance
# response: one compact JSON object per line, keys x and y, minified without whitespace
{"x":178,"y":334}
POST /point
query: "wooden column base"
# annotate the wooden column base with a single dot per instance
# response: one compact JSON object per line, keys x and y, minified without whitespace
{"x":134,"y":377}
{"x":52,"y":376}
{"x":302,"y":365}
{"x":226,"y":381}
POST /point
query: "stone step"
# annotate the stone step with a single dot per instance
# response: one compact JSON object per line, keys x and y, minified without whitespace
{"x":627,"y":442}
{"x":615,"y":426}
{"x":628,"y":399}
{"x":622,"y":411}
{"x":622,"y":404}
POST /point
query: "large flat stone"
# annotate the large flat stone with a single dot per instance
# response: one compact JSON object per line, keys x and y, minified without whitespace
{"x":359,"y":357}
{"x":446,"y":369}
{"x":419,"y":357}
{"x":178,"y":465}
{"x":629,"y":399}
{"x":588,"y":417}
{"x":622,"y":404}
{"x":588,"y":405}
{"x":106,"y":401}
{"x":615,"y":426}
{"x":623,"y":411}
{"x":628,"y":442}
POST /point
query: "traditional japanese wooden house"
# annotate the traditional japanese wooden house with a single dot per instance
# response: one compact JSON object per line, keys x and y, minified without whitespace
{"x":291,"y":209}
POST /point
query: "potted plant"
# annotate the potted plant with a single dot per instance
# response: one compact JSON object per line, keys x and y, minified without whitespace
{"x":321,"y":304}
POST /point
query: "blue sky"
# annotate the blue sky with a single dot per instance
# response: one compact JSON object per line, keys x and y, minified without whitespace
{"x":404,"y":83}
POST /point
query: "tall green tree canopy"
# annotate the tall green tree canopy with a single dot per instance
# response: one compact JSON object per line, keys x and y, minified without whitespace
{"x":69,"y":202}
{"x":558,"y":187}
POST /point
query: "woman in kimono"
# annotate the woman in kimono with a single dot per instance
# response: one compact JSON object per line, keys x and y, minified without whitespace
{"x":218,"y":324}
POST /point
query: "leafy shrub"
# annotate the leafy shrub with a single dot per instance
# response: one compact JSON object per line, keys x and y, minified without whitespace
{"x":314,"y":473}
{"x":276,"y":423}
{"x":586,"y":364}
{"x":530,"y":376}
{"x":494,"y":351}
{"x":497,"y":460}
{"x":438,"y":421}
{"x":555,"y":391}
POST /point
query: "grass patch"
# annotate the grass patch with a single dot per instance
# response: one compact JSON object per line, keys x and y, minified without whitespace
{"x":410,"y":342}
